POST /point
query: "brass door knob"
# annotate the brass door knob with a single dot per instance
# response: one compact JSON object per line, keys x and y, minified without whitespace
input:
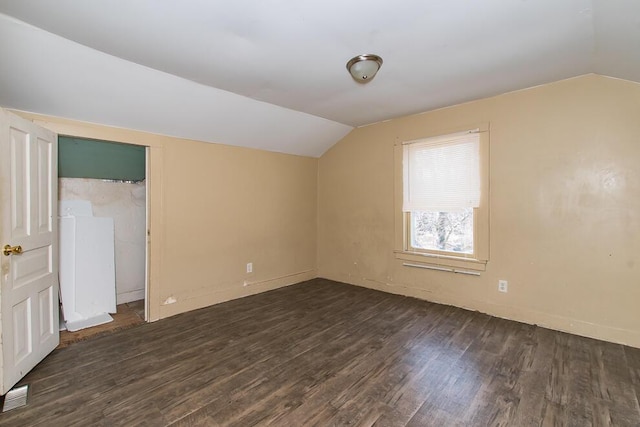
{"x":8,"y":250}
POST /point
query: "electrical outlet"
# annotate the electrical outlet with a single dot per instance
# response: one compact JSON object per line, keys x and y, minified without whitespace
{"x":503,"y":286}
{"x":249,"y":267}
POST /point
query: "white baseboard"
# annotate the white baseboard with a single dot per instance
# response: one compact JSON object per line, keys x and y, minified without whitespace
{"x":129,"y":296}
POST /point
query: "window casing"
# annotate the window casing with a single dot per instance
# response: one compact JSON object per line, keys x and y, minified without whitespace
{"x":442,"y":212}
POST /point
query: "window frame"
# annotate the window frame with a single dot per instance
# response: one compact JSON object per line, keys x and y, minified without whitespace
{"x":449,"y":260}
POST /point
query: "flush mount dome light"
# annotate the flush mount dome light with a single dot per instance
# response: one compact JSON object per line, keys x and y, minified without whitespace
{"x":364,"y":67}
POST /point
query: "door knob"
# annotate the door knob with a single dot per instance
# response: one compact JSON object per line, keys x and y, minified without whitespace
{"x":8,"y":250}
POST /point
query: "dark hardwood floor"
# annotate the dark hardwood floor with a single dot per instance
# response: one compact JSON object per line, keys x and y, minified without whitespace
{"x":329,"y":354}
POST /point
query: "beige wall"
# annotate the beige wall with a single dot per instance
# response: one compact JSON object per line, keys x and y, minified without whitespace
{"x":215,"y":208}
{"x":565,"y":211}
{"x":564,"y":208}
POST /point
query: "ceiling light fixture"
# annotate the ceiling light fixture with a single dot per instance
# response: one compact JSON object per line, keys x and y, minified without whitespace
{"x":364,"y":67}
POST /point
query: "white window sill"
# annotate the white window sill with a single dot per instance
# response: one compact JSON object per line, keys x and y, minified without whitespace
{"x":443,"y":262}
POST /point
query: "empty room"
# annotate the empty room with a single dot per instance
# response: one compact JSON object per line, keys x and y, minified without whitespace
{"x":414,"y":213}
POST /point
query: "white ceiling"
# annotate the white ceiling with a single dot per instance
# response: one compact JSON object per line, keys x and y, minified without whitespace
{"x":271,"y":74}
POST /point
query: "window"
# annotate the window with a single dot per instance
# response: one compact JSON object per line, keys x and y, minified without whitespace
{"x":438,"y":230}
{"x":444,"y":206}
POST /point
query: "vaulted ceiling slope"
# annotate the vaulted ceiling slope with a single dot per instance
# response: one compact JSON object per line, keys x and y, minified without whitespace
{"x":271,"y":74}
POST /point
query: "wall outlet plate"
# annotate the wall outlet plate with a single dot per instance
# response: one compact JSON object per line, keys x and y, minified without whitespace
{"x":503,"y":286}
{"x":249,"y":267}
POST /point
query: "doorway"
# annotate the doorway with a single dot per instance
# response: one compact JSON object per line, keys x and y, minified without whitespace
{"x":112,"y":178}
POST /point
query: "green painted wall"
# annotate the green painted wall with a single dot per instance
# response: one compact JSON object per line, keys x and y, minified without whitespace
{"x":89,"y":158}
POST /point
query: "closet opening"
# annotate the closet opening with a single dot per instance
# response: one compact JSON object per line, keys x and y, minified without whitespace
{"x":103,"y":217}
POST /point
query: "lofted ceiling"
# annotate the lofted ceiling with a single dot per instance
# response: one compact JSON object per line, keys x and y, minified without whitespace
{"x":271,"y":74}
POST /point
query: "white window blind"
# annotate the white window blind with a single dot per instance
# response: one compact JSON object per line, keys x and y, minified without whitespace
{"x":442,"y":173}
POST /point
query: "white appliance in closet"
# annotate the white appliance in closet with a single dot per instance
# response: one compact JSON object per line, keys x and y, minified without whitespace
{"x":87,"y":266}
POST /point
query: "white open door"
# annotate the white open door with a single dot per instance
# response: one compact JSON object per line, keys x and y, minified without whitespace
{"x":28,"y":245}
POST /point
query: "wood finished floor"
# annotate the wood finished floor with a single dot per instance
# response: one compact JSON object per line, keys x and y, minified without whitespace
{"x":329,"y":354}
